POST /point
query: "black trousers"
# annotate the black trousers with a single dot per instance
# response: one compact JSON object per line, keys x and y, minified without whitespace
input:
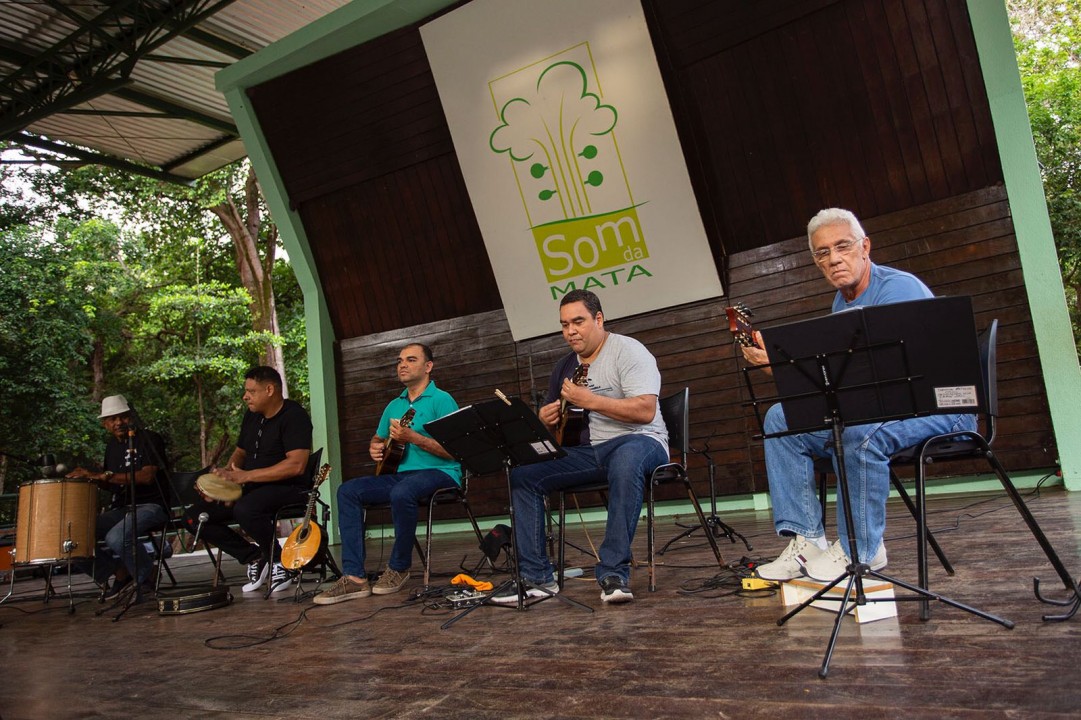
{"x":254,"y":512}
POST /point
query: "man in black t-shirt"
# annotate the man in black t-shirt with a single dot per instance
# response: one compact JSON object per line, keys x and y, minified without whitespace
{"x":269,"y":463}
{"x":151,"y":495}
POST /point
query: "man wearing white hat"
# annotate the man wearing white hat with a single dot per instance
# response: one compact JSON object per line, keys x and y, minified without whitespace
{"x":151,"y":496}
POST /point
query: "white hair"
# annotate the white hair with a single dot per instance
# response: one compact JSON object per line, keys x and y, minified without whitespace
{"x":833,"y":216}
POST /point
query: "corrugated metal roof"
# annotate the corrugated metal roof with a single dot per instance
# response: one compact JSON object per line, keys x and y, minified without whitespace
{"x":168,"y":114}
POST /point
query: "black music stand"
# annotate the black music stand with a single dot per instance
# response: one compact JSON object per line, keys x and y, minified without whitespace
{"x":489,"y":436}
{"x":877,"y":363}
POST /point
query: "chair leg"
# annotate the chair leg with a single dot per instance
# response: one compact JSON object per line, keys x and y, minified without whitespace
{"x":428,"y":543}
{"x":562,"y":536}
{"x":822,"y":496}
{"x":899,"y":486}
{"x":652,"y":566}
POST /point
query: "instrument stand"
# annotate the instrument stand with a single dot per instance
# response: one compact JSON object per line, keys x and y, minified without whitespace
{"x":718,"y":527}
{"x":823,"y":379}
{"x":502,"y":433}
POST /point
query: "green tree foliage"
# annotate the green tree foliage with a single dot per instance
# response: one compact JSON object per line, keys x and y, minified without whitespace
{"x":155,"y":310}
{"x":1047,"y":37}
{"x":46,"y":333}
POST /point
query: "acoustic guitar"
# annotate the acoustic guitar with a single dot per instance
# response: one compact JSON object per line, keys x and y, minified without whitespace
{"x":572,"y":419}
{"x":394,"y":451}
{"x":307,"y":539}
{"x":739,"y":324}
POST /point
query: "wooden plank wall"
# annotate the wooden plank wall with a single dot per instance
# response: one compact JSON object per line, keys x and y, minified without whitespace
{"x":782,"y":108}
{"x":790,"y":106}
{"x":961,"y":246}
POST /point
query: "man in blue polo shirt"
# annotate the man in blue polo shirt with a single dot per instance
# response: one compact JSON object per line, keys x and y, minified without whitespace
{"x":423,"y":467}
{"x":842,"y":251}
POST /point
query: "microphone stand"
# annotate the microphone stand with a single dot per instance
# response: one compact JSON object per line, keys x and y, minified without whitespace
{"x":714,"y":524}
{"x":133,"y":425}
{"x":137,"y":596}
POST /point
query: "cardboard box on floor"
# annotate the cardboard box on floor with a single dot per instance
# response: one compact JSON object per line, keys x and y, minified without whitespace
{"x":794,"y":592}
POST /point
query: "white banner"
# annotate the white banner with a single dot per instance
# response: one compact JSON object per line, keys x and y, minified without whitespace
{"x":568,"y":149}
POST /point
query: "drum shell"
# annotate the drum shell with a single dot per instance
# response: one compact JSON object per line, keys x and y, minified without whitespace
{"x":47,"y":508}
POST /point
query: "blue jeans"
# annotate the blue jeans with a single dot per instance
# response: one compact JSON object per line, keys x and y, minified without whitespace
{"x":624,"y":461}
{"x":793,"y":490}
{"x":403,"y":491}
{"x":114,"y":527}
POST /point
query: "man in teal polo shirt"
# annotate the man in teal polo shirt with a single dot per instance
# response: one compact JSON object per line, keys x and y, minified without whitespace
{"x":423,"y":467}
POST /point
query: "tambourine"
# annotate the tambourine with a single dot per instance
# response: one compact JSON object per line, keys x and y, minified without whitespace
{"x":215,"y":487}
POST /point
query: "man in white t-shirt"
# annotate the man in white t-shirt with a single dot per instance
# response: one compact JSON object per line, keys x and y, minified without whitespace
{"x":627,"y":440}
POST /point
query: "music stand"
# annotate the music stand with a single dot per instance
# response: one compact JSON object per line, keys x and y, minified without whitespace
{"x":870,"y":365}
{"x":493,"y":435}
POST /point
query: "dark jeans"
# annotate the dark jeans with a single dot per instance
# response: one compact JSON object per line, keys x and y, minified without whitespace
{"x":403,"y":491}
{"x":254,"y":512}
{"x":624,"y":462}
{"x":114,"y":529}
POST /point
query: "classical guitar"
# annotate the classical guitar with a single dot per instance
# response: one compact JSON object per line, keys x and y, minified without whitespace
{"x":739,"y":324}
{"x":394,"y":451}
{"x":307,"y":539}
{"x":572,"y":419}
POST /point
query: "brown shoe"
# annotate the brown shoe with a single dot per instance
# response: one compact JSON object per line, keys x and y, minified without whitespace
{"x":391,"y":581}
{"x":344,"y":589}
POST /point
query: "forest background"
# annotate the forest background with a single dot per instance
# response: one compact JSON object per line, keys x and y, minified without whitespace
{"x":115,"y":283}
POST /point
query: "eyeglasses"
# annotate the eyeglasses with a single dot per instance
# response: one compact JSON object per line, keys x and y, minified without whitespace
{"x":841,"y":248}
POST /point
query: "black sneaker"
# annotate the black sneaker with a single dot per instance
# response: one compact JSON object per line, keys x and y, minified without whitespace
{"x":116,"y":588}
{"x":614,"y":590}
{"x":257,"y":575}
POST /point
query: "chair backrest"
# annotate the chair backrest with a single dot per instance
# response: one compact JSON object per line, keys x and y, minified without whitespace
{"x":988,"y":365}
{"x":676,"y":410}
{"x":313,"y":465}
{"x":184,"y":485}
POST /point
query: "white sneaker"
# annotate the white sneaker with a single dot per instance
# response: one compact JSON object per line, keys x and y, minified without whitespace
{"x":832,"y":564}
{"x":257,"y":574}
{"x":509,"y":596}
{"x":789,"y":564}
{"x":280,"y":579}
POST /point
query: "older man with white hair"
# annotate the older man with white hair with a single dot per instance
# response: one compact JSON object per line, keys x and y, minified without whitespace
{"x":145,"y":456}
{"x":842,"y":251}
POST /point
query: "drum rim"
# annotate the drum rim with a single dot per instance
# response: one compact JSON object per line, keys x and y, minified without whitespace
{"x":43,"y":481}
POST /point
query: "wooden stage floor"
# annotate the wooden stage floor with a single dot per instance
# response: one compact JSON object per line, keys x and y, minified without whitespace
{"x":669,"y":654}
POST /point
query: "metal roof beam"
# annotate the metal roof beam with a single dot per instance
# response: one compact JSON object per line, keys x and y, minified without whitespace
{"x":209,"y":147}
{"x":171,"y":108}
{"x":216,"y":43}
{"x":97,"y":158}
{"x":102,"y":49}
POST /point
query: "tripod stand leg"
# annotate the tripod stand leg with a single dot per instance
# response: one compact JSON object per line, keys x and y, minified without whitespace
{"x":841,"y":612}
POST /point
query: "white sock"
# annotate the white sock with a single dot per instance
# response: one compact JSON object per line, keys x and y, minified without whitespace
{"x":820,"y":542}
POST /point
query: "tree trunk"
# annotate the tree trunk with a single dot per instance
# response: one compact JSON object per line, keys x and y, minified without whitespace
{"x":255,"y":271}
{"x":97,"y":366}
{"x":202,"y":421}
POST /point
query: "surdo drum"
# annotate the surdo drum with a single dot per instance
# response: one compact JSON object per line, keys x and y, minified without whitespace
{"x":56,"y":521}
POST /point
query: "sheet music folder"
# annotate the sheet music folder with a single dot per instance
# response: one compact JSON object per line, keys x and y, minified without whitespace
{"x":906,"y":359}
{"x":483,"y":435}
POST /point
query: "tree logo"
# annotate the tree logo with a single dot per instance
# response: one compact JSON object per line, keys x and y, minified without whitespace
{"x":560,"y":137}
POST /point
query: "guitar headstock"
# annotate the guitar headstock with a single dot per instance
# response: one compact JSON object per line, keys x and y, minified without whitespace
{"x":322,"y":475}
{"x":581,"y":373}
{"x":407,"y":418}
{"x":739,"y":324}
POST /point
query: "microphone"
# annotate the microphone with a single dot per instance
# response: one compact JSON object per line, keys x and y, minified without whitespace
{"x":203,"y":517}
{"x":47,"y":464}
